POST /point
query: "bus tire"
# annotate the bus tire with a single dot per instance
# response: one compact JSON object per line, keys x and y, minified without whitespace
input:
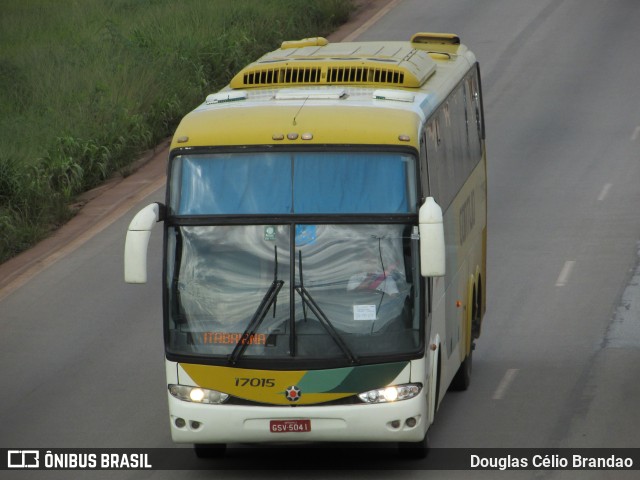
{"x":462,"y":379}
{"x":414,"y":450}
{"x":476,"y":322}
{"x":209,"y":450}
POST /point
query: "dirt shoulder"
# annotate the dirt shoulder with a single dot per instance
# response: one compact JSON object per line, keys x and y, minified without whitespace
{"x":100,"y":207}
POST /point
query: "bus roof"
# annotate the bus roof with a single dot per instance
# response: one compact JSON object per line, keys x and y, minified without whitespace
{"x":314,"y":92}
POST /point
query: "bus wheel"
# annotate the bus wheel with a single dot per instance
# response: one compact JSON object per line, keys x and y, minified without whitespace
{"x":209,"y":450}
{"x":462,"y":379}
{"x":415,"y":450}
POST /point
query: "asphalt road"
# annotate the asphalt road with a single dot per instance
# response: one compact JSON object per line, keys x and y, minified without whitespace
{"x":558,"y":363}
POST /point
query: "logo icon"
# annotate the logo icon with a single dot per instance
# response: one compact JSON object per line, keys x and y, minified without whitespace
{"x":293,"y":393}
{"x":23,"y":459}
{"x":270,"y":233}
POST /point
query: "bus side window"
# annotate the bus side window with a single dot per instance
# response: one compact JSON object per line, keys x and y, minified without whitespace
{"x":474,"y":122}
{"x":424,"y":172}
{"x":459,"y":140}
{"x":427,"y":189}
{"x":432,"y":152}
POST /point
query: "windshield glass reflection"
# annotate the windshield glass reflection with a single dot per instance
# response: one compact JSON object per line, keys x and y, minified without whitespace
{"x":335,"y":291}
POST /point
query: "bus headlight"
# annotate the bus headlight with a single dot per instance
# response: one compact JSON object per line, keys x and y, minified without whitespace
{"x":197,"y":394}
{"x":391,"y":394}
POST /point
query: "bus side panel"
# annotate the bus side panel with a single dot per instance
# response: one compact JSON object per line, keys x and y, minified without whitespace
{"x":465,"y":231}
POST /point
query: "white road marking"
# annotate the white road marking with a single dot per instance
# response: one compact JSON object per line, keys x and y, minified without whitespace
{"x":504,"y":384}
{"x":635,"y":134}
{"x":369,"y":23}
{"x":604,"y":192}
{"x":563,"y":278}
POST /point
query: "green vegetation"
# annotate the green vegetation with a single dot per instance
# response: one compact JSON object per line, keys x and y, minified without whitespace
{"x":85,"y":86}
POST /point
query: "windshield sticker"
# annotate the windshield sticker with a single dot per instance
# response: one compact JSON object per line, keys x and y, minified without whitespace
{"x":270,"y":233}
{"x":364,"y":312}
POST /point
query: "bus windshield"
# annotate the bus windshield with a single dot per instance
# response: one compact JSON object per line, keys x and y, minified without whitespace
{"x":341,"y":292}
{"x":292,"y":289}
{"x":293,"y":182}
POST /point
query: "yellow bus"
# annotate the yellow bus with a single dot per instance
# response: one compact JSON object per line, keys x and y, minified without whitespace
{"x":324,"y":246}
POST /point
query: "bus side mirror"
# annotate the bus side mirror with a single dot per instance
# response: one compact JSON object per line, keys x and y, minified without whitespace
{"x":432,"y":246}
{"x":137,"y":242}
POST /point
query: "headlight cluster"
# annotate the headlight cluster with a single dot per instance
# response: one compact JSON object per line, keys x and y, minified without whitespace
{"x":197,"y":394}
{"x":391,"y":394}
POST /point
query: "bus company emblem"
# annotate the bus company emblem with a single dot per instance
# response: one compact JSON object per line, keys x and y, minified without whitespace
{"x":293,"y":393}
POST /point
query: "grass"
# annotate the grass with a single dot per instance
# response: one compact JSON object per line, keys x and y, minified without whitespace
{"x":85,"y":86}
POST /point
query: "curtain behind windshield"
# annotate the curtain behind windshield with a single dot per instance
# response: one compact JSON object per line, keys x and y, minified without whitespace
{"x":350,"y":183}
{"x":284,"y":183}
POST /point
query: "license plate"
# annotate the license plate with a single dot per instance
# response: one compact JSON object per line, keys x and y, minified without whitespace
{"x":284,"y":426}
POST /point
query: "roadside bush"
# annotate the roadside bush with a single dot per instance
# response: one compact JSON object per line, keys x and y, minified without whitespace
{"x":85,"y":87}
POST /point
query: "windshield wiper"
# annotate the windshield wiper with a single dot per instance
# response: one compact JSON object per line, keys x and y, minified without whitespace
{"x":257,"y":318}
{"x":323,"y":319}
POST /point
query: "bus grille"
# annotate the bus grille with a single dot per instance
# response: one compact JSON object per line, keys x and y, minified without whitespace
{"x":315,"y":76}
{"x":282,"y":76}
{"x":365,"y":75}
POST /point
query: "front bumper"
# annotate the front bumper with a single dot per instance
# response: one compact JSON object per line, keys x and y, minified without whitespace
{"x":386,"y":422}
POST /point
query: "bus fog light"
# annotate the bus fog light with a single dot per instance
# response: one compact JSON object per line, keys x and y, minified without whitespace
{"x":195,"y":425}
{"x":391,"y":394}
{"x":179,"y":422}
{"x":395,"y":424}
{"x":411,"y":422}
{"x":197,"y":395}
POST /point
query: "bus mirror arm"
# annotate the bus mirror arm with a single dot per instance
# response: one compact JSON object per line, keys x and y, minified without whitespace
{"x":137,"y":242}
{"x":432,"y":244}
